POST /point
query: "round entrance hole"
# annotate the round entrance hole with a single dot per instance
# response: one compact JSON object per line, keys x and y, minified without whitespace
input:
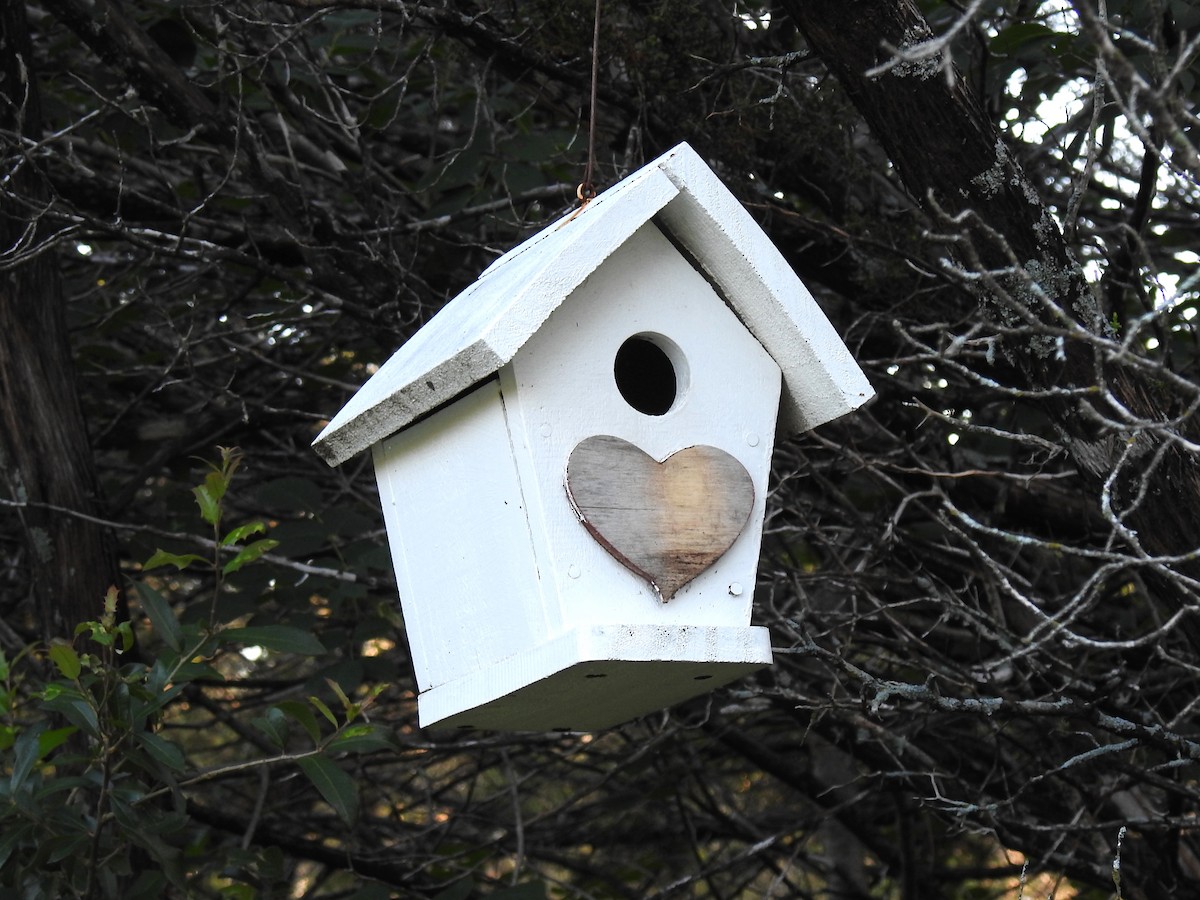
{"x":649,"y":372}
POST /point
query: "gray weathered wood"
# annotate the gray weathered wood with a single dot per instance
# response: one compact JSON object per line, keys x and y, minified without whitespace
{"x":667,"y":521}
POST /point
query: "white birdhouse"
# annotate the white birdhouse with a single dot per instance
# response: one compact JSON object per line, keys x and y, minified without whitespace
{"x":573,"y":456}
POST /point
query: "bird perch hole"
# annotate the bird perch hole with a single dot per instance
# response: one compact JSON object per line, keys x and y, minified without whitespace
{"x":651,"y":373}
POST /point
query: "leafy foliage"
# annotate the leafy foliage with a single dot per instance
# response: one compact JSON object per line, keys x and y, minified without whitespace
{"x":99,"y":807}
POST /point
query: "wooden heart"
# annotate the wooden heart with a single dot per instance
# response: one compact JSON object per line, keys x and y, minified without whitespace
{"x":667,"y":521}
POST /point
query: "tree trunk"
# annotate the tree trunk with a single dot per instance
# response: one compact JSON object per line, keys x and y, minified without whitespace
{"x":955,"y":164}
{"x":46,"y":457}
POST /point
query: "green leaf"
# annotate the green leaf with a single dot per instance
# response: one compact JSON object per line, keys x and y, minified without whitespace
{"x":62,"y":847}
{"x":242,"y":532}
{"x":249,"y":554}
{"x":362,"y":738}
{"x":86,"y":626}
{"x":338,"y":788}
{"x":162,"y":751}
{"x":178,"y":560}
{"x":196,"y":671}
{"x":300,"y":712}
{"x":146,"y":830}
{"x":274,"y":725}
{"x":25,"y":755}
{"x":149,"y":886}
{"x":75,"y":709}
{"x":124,"y":630}
{"x":48,"y":741}
{"x":347,"y":704}
{"x":62,"y":784}
{"x":157,"y":701}
{"x":324,"y":710}
{"x":283,"y":638}
{"x":1021,"y":37}
{"x":208,"y":496}
{"x":65,"y":659}
{"x":371,"y":892}
{"x":161,"y":616}
{"x":10,"y":839}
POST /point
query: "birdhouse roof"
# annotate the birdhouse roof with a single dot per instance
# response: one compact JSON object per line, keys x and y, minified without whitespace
{"x":482,"y":329}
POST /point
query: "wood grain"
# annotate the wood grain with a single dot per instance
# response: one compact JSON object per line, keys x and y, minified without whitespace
{"x":667,"y":521}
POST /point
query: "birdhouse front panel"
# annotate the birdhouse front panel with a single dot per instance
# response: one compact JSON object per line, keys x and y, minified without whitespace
{"x":646,"y":412}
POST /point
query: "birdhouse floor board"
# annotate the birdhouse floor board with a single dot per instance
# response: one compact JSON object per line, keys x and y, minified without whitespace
{"x":596,"y":677}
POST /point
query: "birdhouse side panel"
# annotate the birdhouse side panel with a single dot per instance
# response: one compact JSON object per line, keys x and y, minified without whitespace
{"x":724,"y":396}
{"x":460,"y":538}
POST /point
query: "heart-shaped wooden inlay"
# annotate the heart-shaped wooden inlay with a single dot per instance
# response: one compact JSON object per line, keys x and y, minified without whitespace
{"x":667,"y":521}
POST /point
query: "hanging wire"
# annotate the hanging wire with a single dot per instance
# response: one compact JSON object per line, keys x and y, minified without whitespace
{"x":587,"y":188}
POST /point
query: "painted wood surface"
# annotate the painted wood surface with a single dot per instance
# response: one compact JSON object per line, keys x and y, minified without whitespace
{"x":482,"y":329}
{"x":596,"y":676}
{"x":458,"y":529}
{"x":821,"y":379}
{"x":667,"y":521}
{"x":561,"y":389}
{"x":493,"y":567}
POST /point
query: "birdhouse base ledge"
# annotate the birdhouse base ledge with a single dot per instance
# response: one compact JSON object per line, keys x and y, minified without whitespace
{"x":594,"y":677}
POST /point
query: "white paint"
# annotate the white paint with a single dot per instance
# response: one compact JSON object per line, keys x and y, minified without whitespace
{"x":493,"y":565}
{"x":517,"y":618}
{"x":564,"y":374}
{"x":483,"y":328}
{"x":595,"y":677}
{"x":460,"y":538}
{"x":821,"y":380}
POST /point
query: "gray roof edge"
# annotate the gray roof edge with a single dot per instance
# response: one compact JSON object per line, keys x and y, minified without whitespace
{"x":406,"y":404}
{"x":821,"y":379}
{"x":518,"y":314}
